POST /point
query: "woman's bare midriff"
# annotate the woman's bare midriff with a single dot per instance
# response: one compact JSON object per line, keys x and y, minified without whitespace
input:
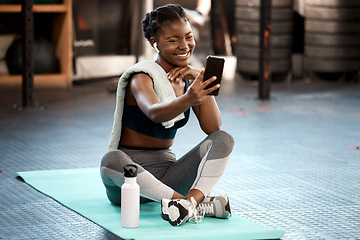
{"x":130,"y":138}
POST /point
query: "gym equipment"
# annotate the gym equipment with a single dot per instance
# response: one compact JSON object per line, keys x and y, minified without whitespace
{"x":83,"y":191}
{"x":44,"y":56}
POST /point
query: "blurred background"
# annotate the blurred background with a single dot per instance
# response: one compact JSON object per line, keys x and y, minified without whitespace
{"x":295,"y":165}
{"x":91,"y":39}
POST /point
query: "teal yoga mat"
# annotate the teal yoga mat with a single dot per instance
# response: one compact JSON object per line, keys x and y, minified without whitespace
{"x":82,"y":191}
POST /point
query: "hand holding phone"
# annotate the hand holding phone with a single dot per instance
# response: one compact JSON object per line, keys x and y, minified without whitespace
{"x":214,"y":67}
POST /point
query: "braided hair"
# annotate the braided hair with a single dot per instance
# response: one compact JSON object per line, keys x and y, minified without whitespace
{"x":154,"y":19}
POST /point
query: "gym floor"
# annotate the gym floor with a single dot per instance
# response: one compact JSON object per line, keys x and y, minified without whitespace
{"x":295,"y":165}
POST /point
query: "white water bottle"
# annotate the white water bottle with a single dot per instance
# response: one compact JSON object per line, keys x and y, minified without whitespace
{"x":130,"y":198}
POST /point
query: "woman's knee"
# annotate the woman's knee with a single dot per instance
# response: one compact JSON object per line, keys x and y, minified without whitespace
{"x":223,"y":141}
{"x":116,"y":160}
{"x":226,"y":137}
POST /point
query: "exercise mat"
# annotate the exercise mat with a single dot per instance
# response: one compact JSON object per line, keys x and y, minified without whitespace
{"x":82,"y":191}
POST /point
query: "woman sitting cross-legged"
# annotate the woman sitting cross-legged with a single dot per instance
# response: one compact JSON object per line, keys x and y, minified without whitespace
{"x":153,"y":100}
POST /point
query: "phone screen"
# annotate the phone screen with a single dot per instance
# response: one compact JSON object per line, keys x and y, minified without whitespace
{"x":214,"y":67}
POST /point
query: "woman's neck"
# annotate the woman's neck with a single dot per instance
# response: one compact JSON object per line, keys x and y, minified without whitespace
{"x":164,"y":64}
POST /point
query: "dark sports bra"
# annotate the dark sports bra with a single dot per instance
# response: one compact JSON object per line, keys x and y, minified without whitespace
{"x":136,"y":120}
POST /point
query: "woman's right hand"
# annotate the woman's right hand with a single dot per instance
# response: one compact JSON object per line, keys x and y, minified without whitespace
{"x":197,"y":93}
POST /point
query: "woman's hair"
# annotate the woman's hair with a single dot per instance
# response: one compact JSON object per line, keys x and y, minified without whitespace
{"x":154,"y":19}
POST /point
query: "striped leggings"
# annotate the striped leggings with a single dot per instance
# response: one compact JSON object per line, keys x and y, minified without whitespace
{"x":160,"y":174}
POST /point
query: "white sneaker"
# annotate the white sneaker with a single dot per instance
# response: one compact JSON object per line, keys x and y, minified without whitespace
{"x":215,"y":206}
{"x":179,"y":211}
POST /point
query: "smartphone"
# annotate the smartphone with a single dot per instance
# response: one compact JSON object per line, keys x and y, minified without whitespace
{"x":214,"y":67}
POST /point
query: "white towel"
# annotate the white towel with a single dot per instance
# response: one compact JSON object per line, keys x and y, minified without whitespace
{"x":162,"y":88}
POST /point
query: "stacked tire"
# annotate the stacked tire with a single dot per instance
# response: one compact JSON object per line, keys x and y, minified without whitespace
{"x":247,"y":15}
{"x":332,"y":36}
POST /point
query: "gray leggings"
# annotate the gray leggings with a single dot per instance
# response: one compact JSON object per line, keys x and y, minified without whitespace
{"x":160,"y":174}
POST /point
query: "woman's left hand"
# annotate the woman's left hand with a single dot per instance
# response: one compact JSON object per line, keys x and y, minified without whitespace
{"x":179,"y":73}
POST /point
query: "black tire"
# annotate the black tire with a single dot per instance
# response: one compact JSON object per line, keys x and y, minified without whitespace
{"x":247,"y":15}
{"x":332,"y":36}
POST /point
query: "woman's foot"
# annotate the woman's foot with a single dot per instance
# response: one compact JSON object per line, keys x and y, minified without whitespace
{"x":216,"y":206}
{"x":179,"y":211}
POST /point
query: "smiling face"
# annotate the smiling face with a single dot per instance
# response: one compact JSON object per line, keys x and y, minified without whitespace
{"x":175,"y":41}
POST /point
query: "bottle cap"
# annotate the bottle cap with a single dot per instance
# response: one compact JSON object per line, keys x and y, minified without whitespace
{"x":130,"y":170}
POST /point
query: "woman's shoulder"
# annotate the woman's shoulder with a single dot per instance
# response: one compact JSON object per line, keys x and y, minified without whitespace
{"x":140,"y":76}
{"x":146,"y":67}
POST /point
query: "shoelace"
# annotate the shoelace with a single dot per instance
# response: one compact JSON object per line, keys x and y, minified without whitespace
{"x":207,"y":208}
{"x":198,"y":215}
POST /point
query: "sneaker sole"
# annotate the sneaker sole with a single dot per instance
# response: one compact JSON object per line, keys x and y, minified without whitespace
{"x":227,"y":208}
{"x":175,"y":218}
